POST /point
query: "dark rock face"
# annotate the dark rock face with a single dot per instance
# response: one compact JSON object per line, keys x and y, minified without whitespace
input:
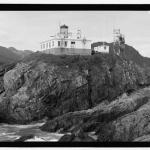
{"x":33,"y":91}
{"x":3,"y":102}
{"x":82,"y":137}
{"x":79,"y":94}
{"x":3,"y":69}
{"x":115,"y":76}
{"x":67,"y":138}
{"x":24,"y":138}
{"x":124,"y":119}
{"x":72,"y":138}
{"x":45,"y":85}
{"x":100,"y":113}
{"x":145,"y":138}
{"x":131,"y":126}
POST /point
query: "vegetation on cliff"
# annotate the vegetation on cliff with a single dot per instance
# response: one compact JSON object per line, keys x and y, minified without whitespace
{"x":77,"y":93}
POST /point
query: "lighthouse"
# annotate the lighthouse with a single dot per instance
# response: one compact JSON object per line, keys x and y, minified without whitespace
{"x":64,"y":31}
{"x":67,"y":43}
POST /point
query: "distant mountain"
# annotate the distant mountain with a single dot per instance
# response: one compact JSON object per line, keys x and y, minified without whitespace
{"x":9,"y":55}
{"x":22,"y":53}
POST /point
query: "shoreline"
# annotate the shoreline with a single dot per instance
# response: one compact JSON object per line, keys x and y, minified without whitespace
{"x":27,"y":133}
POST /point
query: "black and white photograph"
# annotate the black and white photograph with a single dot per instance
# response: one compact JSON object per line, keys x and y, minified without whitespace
{"x":74,"y":76}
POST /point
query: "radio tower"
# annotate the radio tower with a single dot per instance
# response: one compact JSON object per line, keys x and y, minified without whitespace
{"x":118,"y":40}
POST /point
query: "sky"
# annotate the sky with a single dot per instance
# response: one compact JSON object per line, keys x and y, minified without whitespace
{"x":24,"y":30}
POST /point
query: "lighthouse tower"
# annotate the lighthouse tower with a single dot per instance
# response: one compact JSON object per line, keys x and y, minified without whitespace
{"x":64,"y":31}
{"x":67,"y":43}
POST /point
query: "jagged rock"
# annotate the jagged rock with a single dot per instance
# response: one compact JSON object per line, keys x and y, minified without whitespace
{"x":124,"y":119}
{"x":67,"y":138}
{"x":46,"y":85}
{"x":91,"y":118}
{"x":145,"y":138}
{"x":130,"y":126}
{"x":3,"y":69}
{"x":36,"y":90}
{"x":76,"y":138}
{"x":60,"y":87}
{"x":24,"y":138}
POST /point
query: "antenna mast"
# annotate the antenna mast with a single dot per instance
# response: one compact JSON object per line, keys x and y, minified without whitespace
{"x":59,"y":24}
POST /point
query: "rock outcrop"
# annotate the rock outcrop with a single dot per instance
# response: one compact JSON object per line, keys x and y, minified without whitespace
{"x":131,"y":126}
{"x":76,"y":138}
{"x":124,"y":119}
{"x":46,"y":85}
{"x":105,"y":94}
{"x":50,"y":86}
{"x":33,"y":91}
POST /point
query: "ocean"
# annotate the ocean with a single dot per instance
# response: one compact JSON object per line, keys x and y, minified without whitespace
{"x":9,"y":132}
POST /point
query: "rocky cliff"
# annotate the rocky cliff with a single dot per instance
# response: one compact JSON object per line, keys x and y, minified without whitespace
{"x":124,"y":119}
{"x":78,"y":94}
{"x":35,"y":90}
{"x":45,"y":85}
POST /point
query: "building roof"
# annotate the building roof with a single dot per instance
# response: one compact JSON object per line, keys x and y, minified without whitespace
{"x":64,"y":26}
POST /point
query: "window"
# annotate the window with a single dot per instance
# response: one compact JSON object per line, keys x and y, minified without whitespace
{"x":72,"y":42}
{"x":43,"y":46}
{"x":53,"y":43}
{"x":65,"y":43}
{"x":58,"y":43}
{"x":46,"y":45}
{"x":62,"y":43}
{"x":49,"y":44}
{"x":95,"y":48}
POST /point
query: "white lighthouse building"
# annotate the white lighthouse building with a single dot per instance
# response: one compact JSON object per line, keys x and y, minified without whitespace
{"x":67,"y":43}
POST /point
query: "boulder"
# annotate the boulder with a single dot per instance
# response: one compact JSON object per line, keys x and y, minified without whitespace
{"x":76,"y":138}
{"x":67,"y":138}
{"x":24,"y":138}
